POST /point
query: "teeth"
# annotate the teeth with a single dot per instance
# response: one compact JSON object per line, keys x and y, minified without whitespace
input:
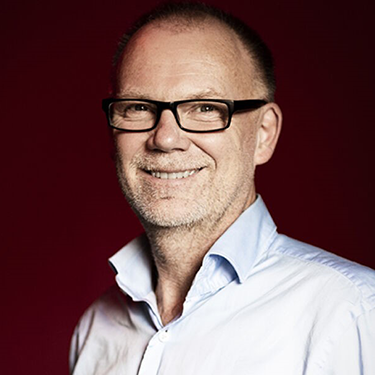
{"x":173,"y":175}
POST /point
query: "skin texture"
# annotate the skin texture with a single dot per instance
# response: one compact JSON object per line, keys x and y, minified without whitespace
{"x":184,"y":217}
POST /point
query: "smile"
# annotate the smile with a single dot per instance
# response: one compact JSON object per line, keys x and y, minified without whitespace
{"x":173,"y":175}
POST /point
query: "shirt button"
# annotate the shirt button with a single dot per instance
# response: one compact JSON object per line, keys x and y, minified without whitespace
{"x":163,"y":336}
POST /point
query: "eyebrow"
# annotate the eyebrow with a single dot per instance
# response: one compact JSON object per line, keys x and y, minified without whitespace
{"x":204,"y":94}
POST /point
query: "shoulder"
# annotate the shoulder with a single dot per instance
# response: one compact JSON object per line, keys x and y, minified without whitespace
{"x":101,"y":318}
{"x":337,"y":297}
{"x":332,"y":271}
{"x":103,"y":323}
{"x":108,"y":307}
{"x":100,"y":332}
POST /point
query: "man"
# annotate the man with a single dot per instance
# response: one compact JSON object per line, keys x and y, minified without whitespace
{"x":212,"y":288}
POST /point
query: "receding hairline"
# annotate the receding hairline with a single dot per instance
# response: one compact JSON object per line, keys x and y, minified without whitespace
{"x":179,"y":24}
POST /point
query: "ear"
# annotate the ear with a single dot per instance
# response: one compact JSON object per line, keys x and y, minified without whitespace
{"x":268,"y":133}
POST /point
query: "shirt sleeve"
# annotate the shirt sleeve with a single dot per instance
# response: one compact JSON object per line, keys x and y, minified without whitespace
{"x":73,"y":352}
{"x":355,"y":352}
{"x":79,"y":338}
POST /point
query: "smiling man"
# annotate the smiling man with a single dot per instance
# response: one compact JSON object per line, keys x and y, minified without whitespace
{"x":212,"y":288}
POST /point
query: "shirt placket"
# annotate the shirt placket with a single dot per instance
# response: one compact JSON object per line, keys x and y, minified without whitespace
{"x":153,"y":354}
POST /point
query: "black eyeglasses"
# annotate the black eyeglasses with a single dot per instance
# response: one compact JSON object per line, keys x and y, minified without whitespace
{"x":195,"y":115}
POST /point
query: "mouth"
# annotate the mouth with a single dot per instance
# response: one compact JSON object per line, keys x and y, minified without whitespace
{"x":173,"y":175}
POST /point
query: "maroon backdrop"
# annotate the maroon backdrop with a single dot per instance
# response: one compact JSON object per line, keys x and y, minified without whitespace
{"x":63,"y":214}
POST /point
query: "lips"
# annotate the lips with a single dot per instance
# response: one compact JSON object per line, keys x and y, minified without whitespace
{"x":173,"y":175}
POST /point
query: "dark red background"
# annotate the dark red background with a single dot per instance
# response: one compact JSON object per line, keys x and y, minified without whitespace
{"x":63,"y":214}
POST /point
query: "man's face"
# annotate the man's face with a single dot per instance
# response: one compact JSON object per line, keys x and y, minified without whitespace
{"x":196,"y":177}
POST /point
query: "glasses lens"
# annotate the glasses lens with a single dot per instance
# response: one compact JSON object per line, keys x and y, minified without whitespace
{"x":203,"y":115}
{"x":132,"y":115}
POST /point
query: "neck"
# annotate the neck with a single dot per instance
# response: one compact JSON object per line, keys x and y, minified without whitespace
{"x":178,"y":253}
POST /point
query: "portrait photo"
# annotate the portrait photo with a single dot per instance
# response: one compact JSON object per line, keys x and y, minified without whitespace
{"x":188,"y":187}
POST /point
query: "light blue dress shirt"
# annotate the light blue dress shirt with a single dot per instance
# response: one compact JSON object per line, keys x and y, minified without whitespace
{"x":261,"y":304}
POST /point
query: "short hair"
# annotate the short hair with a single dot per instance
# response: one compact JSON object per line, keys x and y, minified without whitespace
{"x":194,"y":12}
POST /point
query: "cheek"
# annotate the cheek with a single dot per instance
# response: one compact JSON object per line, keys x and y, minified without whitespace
{"x":240,"y":149}
{"x":127,"y":146}
{"x":230,"y":150}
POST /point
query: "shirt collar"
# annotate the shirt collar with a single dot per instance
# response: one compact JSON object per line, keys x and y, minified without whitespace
{"x":133,"y":266}
{"x":242,"y":245}
{"x":247,"y":239}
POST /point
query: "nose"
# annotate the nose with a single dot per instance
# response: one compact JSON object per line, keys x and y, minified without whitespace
{"x":168,"y":136}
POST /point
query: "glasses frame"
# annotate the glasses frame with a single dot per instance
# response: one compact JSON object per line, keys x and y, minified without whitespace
{"x":233,"y":106}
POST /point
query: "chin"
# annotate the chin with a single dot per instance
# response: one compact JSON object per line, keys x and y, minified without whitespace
{"x":166,"y":215}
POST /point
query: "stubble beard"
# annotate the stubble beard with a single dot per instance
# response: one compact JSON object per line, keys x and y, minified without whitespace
{"x":153,"y":208}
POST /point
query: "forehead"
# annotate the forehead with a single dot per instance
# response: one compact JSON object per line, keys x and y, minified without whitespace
{"x":176,"y":61}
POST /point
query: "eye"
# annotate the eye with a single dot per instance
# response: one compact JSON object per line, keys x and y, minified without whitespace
{"x":126,"y":110}
{"x":132,"y":108}
{"x":138,"y":107}
{"x":207,"y":108}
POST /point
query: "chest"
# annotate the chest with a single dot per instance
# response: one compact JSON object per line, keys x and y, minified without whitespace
{"x":224,"y":334}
